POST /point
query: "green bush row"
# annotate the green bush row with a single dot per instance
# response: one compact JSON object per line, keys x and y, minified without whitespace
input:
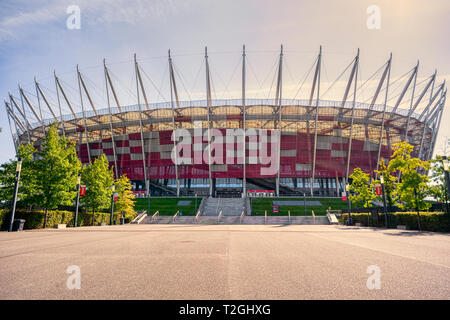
{"x":35,"y":219}
{"x":3,"y":217}
{"x":429,"y":221}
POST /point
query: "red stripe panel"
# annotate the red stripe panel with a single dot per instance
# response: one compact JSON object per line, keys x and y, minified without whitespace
{"x":134,"y":136}
{"x":135,"y":149}
{"x":123,"y":143}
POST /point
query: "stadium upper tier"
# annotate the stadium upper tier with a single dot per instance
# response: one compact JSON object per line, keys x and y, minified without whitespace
{"x":315,"y":139}
{"x":162,"y":112}
{"x":334,"y":126}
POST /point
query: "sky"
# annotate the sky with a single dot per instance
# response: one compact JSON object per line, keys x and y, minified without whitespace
{"x":35,"y":40}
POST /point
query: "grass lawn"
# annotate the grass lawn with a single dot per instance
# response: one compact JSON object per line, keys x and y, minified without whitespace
{"x":262,"y":204}
{"x":167,"y":206}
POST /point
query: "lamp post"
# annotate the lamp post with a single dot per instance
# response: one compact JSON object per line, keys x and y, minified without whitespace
{"x":304,"y":202}
{"x":195,"y":211}
{"x":417,"y":209}
{"x":445,"y":162}
{"x":384,"y":201}
{"x":113,"y":189}
{"x":16,"y":189}
{"x":349,"y":204}
{"x":147,"y":184}
{"x":78,"y":200}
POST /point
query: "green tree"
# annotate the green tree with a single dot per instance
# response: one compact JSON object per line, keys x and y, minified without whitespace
{"x":438,"y":185}
{"x":362,"y":189}
{"x":27,"y":186}
{"x":125,"y":201}
{"x":56,"y":168}
{"x":98,"y":178}
{"x":413,"y":187}
{"x":390,"y":180}
{"x":7,"y":178}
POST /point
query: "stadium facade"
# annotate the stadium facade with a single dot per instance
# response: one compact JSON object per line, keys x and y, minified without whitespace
{"x":319,"y":145}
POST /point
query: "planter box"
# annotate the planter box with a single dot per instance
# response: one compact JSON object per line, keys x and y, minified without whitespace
{"x":60,"y":226}
{"x":402,"y":227}
{"x":103,"y":224}
{"x":358,"y":224}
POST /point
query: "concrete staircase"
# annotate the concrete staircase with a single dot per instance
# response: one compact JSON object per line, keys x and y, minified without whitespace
{"x":228,"y":206}
{"x":319,"y":220}
{"x":228,"y":220}
{"x":231,"y":214}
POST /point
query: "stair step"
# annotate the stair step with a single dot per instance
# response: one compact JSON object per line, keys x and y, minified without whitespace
{"x":237,"y":220}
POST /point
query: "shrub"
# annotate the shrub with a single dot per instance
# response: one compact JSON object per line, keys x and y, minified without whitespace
{"x":35,"y":219}
{"x":429,"y":221}
{"x":4,"y":217}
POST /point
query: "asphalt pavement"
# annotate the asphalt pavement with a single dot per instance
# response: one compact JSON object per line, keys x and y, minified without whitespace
{"x":224,"y":262}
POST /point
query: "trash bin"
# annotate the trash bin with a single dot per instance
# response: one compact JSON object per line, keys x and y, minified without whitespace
{"x":18,"y":224}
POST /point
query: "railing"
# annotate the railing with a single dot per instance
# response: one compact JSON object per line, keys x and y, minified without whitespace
{"x":289,"y":214}
{"x":141,"y":216}
{"x":314,"y":216}
{"x":242,"y":217}
{"x":265,"y":216}
{"x":175,"y":216}
{"x":332,"y":218}
{"x":336,"y":212}
{"x":219,"y":216}
{"x":196,"y":216}
{"x":155,"y":216}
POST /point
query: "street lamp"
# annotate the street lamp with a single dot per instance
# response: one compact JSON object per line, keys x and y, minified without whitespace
{"x":16,"y":189}
{"x":445,"y":162}
{"x":113,"y":189}
{"x":384,"y":201}
{"x":78,"y":200}
{"x":147,"y":186}
{"x":304,"y":202}
{"x":195,"y":211}
{"x":347,"y":188}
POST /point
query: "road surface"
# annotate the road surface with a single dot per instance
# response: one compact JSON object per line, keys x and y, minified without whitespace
{"x":224,"y":262}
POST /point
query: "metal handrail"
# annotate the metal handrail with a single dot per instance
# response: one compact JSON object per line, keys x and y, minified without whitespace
{"x":175,"y":216}
{"x":219,"y":216}
{"x":142,"y":217}
{"x":139,"y":217}
{"x":155,"y":215}
{"x":242,"y":217}
{"x":196,"y":216}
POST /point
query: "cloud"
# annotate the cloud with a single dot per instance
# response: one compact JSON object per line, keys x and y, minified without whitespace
{"x":12,"y":25}
{"x":19,"y":22}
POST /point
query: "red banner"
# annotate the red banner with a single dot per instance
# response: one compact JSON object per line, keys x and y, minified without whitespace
{"x":378,"y":190}
{"x":82,"y":190}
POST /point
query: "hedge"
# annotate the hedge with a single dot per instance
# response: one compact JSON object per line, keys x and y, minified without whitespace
{"x":3,"y":217}
{"x":35,"y":219}
{"x":429,"y":221}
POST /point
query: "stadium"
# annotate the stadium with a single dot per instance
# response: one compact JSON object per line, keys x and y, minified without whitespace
{"x":319,"y":143}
